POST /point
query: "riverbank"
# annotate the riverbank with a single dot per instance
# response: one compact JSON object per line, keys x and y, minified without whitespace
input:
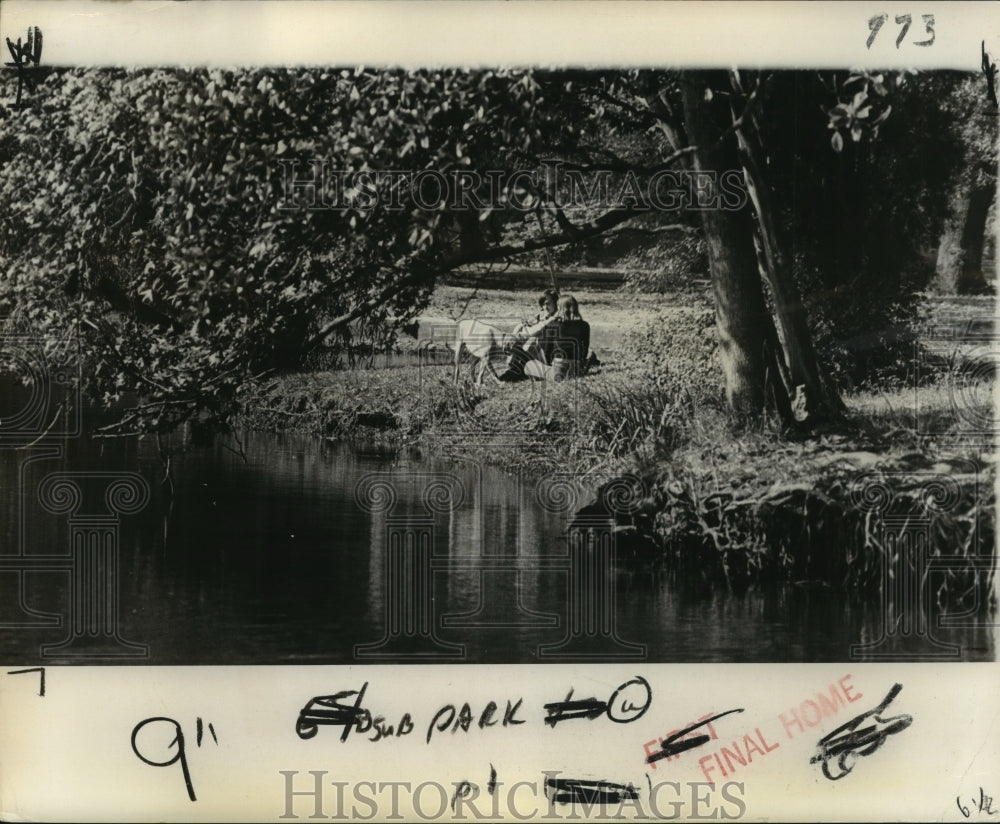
{"x":721,"y":503}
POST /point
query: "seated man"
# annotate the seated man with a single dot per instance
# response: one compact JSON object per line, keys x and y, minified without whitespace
{"x":530,"y":331}
{"x":531,"y":335}
{"x":546,"y":305}
{"x":531,"y":349}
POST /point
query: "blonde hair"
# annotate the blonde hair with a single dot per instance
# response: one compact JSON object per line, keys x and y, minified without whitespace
{"x":568,"y":308}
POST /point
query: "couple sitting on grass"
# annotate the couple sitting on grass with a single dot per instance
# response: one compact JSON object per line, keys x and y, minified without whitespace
{"x":555,"y":345}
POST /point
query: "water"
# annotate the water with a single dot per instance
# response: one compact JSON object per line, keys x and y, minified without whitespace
{"x":273,"y":559}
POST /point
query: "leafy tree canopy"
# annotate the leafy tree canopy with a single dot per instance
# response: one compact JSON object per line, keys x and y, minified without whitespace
{"x":147,"y":212}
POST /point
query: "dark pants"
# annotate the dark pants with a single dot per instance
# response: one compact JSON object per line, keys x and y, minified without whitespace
{"x":515,"y":363}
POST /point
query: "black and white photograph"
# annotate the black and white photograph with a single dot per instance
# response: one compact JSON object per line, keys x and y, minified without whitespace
{"x":308,"y":362}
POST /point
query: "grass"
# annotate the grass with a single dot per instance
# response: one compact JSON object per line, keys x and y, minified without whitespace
{"x":623,"y":416}
{"x":733,"y":502}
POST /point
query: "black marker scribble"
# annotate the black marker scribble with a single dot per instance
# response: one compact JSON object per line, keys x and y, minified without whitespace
{"x":200,"y":731}
{"x":851,"y":741}
{"x":627,"y":703}
{"x":463,"y":789}
{"x":671,"y":746}
{"x":567,"y":710}
{"x":326,"y":710}
{"x":630,"y":701}
{"x":570,"y":790}
{"x":177,"y":744}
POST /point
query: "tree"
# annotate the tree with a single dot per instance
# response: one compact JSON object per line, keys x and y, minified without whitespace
{"x":149,"y":216}
{"x":861,"y":165}
{"x":801,"y":369}
{"x":970,"y":278}
{"x":200,"y":230}
{"x":741,"y":317}
{"x":972,"y":190}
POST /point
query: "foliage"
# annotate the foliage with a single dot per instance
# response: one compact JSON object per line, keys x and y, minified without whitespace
{"x":678,"y":348}
{"x":146,"y":214}
{"x":863,"y":223}
{"x":631,"y":418}
{"x":146,"y":211}
{"x":764,"y":506}
{"x":813,"y":531}
{"x":862,"y":107}
{"x":368,"y":404}
{"x":667,"y":265}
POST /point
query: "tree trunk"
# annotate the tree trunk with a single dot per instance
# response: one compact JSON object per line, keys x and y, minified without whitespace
{"x":470,"y":235}
{"x":970,"y":279}
{"x":819,"y":397}
{"x":744,"y":325}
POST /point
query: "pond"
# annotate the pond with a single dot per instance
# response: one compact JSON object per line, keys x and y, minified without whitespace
{"x":303,"y":551}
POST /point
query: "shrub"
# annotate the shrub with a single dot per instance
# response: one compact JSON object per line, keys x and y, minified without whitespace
{"x":679,"y":349}
{"x":636,"y":418}
{"x":666,"y":266}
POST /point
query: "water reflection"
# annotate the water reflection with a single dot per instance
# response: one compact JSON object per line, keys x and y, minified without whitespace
{"x":273,"y":558}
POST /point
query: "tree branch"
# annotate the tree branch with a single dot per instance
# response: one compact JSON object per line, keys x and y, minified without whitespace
{"x":413,"y":278}
{"x":660,"y":230}
{"x":601,"y":224}
{"x":570,"y":233}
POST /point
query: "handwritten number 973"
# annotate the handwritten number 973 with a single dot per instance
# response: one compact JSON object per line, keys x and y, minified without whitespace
{"x":876,"y":22}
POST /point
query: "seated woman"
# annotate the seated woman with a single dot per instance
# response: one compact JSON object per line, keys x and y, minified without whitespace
{"x":565,"y":345}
